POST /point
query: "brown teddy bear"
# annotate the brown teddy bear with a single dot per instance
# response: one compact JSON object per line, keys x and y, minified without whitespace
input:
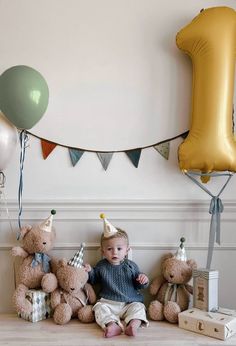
{"x":73,"y":296}
{"x":171,"y":288}
{"x":35,"y":270}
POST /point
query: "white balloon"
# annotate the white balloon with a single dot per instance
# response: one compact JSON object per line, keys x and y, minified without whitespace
{"x":8,"y":141}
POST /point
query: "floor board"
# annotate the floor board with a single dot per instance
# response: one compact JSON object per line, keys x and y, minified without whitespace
{"x":18,"y":332}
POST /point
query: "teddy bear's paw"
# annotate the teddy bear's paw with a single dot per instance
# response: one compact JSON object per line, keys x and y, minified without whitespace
{"x":21,"y":304}
{"x":171,"y":311}
{"x":62,"y":314}
{"x":16,"y":251}
{"x":86,"y":314}
{"x":27,"y":308}
{"x":49,"y":282}
{"x":155,"y":311}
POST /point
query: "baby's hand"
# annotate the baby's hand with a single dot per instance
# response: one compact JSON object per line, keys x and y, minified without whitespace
{"x":142,"y":279}
{"x":87,"y":267}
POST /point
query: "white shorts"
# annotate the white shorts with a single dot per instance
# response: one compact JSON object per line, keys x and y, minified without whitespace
{"x":111,"y":311}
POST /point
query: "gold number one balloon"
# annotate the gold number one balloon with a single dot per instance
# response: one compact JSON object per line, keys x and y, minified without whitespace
{"x":210,"y":41}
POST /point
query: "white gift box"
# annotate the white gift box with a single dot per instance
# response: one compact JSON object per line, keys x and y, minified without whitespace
{"x":41,"y":306}
{"x":205,"y":289}
{"x":219,"y":325}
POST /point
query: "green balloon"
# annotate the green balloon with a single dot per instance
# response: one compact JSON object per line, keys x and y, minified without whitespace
{"x":24,"y":96}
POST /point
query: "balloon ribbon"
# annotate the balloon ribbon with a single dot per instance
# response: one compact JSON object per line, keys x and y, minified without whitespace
{"x":216,"y":208}
{"x":23,"y":141}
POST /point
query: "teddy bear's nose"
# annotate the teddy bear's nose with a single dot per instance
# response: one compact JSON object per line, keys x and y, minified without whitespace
{"x":72,"y":289}
{"x":44,"y":243}
{"x":171,"y":276}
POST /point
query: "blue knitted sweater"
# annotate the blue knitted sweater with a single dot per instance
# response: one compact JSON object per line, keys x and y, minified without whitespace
{"x":118,"y":282}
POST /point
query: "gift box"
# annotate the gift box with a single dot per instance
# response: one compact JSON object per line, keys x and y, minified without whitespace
{"x":205,"y":289}
{"x":219,"y":325}
{"x":41,"y":306}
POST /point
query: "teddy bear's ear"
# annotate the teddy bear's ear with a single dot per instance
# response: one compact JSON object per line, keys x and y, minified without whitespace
{"x":62,"y":262}
{"x":166,"y":256}
{"x":25,"y":230}
{"x":192,"y":264}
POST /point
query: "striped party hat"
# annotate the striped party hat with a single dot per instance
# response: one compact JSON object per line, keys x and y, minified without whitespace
{"x":77,"y":259}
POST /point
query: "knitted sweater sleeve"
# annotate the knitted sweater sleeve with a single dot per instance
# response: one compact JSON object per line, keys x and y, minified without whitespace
{"x":135,"y":271}
{"x":94,"y":275}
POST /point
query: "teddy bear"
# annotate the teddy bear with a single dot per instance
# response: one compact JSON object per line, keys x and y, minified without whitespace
{"x":74,"y":297}
{"x":171,"y":288}
{"x":35,"y":271}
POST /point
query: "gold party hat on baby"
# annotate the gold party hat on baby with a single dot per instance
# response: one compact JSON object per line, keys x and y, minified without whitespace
{"x":109,"y":229}
{"x":46,"y":225}
{"x":78,"y":258}
{"x":181,"y":253}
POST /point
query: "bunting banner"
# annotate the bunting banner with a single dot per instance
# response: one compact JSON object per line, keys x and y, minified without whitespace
{"x":163,"y":148}
{"x":105,"y":159}
{"x":47,"y":147}
{"x":134,"y":156}
{"x":75,"y":155}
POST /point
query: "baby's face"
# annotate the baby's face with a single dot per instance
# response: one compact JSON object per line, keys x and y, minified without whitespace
{"x":115,"y":250}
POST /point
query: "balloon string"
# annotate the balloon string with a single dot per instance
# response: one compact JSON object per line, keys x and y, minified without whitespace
{"x":3,"y":197}
{"x":23,"y":141}
{"x":2,"y":180}
{"x":216,"y":208}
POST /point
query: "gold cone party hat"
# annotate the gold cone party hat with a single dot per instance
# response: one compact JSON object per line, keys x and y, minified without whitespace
{"x":46,"y":225}
{"x":109,"y":229}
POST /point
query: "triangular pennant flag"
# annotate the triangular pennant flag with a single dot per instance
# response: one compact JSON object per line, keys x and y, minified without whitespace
{"x":184,"y":135}
{"x":47,"y":147}
{"x":134,"y":156}
{"x":75,"y":155}
{"x":163,"y":149}
{"x":105,"y":159}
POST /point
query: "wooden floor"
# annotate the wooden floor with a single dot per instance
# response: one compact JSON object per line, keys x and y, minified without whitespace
{"x":18,"y":332}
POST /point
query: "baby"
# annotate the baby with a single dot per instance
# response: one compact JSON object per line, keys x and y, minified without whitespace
{"x":120,"y":281}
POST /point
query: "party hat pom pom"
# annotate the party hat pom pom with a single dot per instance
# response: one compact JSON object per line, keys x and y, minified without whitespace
{"x":53,"y":212}
{"x":182,"y":240}
{"x":102,"y":216}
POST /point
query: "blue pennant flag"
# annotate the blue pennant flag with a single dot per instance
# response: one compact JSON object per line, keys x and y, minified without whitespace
{"x":105,"y":159}
{"x":134,"y":156}
{"x":75,"y":155}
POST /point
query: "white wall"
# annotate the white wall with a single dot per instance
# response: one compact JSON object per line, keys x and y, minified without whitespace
{"x":156,"y":203}
{"x":154,"y":227}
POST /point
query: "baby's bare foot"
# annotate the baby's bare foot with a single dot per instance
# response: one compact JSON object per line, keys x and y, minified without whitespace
{"x":132,"y":328}
{"x":112,"y":329}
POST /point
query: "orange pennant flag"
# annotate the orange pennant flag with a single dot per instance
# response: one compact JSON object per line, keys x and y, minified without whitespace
{"x":47,"y":147}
